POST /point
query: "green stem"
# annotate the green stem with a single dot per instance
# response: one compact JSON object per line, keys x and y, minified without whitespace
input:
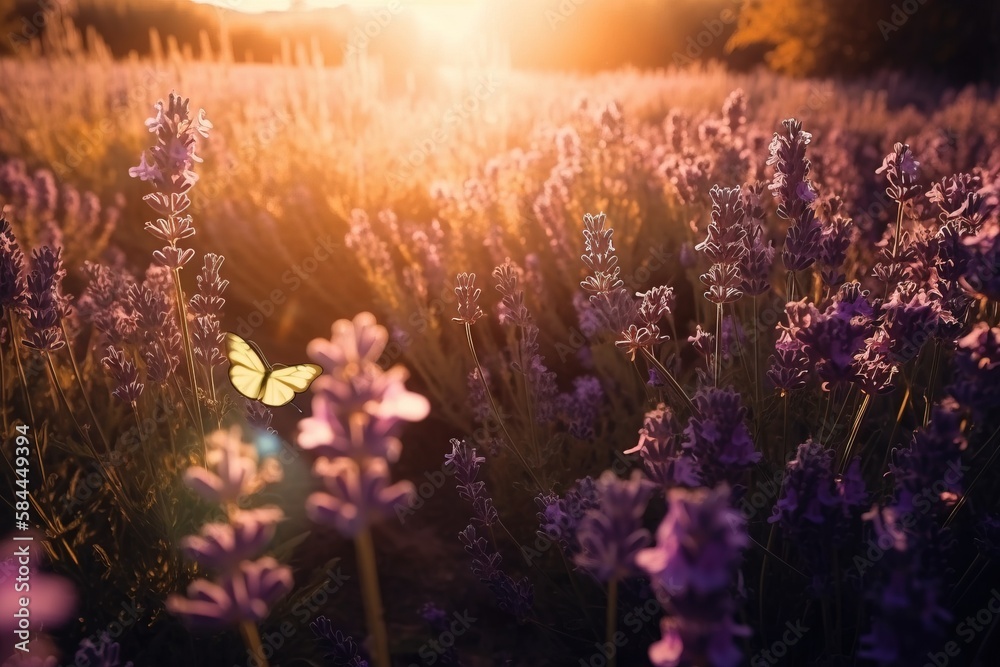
{"x":756,"y":364}
{"x":3,"y":389}
{"x":112,"y":477}
{"x":83,"y":390}
{"x":671,"y":381}
{"x":854,"y":431}
{"x":20,"y":369}
{"x":252,"y":640}
{"x":982,"y":470}
{"x":189,"y":354}
{"x":489,"y":395}
{"x":718,"y":342}
{"x":365,"y":550}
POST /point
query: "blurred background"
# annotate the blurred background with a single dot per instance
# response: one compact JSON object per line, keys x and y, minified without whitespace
{"x":957,"y":40}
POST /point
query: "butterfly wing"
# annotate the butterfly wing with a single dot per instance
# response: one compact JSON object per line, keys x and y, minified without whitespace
{"x":247,"y":370}
{"x":283,"y":383}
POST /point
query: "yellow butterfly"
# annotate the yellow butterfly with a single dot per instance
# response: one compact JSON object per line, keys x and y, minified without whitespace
{"x":256,"y":379}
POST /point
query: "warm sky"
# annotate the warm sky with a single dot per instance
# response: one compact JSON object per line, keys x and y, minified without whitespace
{"x":266,"y":5}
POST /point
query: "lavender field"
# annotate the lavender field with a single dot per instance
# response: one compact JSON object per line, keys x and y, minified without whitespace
{"x":688,"y":366}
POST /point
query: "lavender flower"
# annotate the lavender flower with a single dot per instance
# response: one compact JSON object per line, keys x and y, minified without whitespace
{"x":559,"y":518}
{"x":960,"y":198}
{"x":13,"y":289}
{"x":910,"y":616}
{"x":468,"y":299}
{"x":354,"y":386}
{"x":580,"y":408}
{"x":607,"y":291}
{"x":802,"y":244}
{"x":222,"y":546}
{"x":173,"y":155}
{"x":833,"y":338}
{"x":232,"y":470}
{"x":356,"y":494}
{"x":982,"y":273}
{"x":901,"y":169}
{"x":45,"y":304}
{"x":910,"y":319}
{"x":734,"y":109}
{"x":724,"y":246}
{"x":874,"y":371}
{"x":817,"y":508}
{"x":611,"y":535}
{"x":126,"y":377}
{"x":247,"y":593}
{"x":667,"y":462}
{"x":338,"y":648}
{"x":105,"y":303}
{"x":837,"y":236}
{"x":514,"y":597}
{"x":718,"y":438}
{"x":693,"y":566}
{"x":465,"y":463}
{"x":791,"y":169}
{"x":755,"y":264}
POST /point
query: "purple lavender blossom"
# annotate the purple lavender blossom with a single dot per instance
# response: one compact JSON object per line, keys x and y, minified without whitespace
{"x":438,"y":622}
{"x":231,"y":471}
{"x":976,"y":383}
{"x":718,"y":438}
{"x":559,"y":518}
{"x":173,"y":156}
{"x":875,"y":373}
{"x":468,"y":299}
{"x":465,"y":463}
{"x":724,"y":246}
{"x":514,"y":597}
{"x":45,"y":303}
{"x":910,"y":318}
{"x":837,"y":236}
{"x":354,"y":386}
{"x":607,"y":291}
{"x":734,"y":109}
{"x":909,"y":593}
{"x":340,"y":649}
{"x":791,"y":168}
{"x":667,"y":462}
{"x":222,"y":546}
{"x":901,"y":169}
{"x":817,"y":508}
{"x":982,"y":274}
{"x":960,"y":198}
{"x":611,"y":535}
{"x":693,"y":567}
{"x":356,"y":494}
{"x":833,"y":338}
{"x":246,"y":593}
{"x":124,"y":373}
{"x":105,"y":303}
{"x":13,"y":289}
{"x":580,"y":408}
{"x":755,"y":264}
